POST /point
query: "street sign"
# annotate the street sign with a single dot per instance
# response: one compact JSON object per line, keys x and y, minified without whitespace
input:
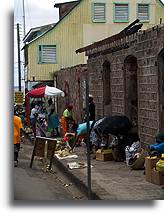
{"x":19,"y":97}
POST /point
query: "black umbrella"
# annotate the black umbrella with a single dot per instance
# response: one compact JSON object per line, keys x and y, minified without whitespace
{"x":115,"y":125}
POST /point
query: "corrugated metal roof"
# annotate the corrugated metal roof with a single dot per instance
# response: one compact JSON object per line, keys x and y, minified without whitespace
{"x":34,"y":30}
{"x":161,"y":2}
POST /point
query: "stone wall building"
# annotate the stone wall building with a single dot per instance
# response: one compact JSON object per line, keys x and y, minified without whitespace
{"x":72,"y":81}
{"x":127,"y":77}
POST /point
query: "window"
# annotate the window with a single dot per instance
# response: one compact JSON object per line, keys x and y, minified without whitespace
{"x":98,"y":14}
{"x":47,"y":53}
{"x":143,"y":12}
{"x":121,"y":13}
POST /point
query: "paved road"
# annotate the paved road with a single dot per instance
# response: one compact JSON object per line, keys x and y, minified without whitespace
{"x":34,"y":184}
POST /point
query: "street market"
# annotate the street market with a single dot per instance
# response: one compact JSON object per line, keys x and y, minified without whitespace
{"x":110,"y":139}
{"x":92,"y":101}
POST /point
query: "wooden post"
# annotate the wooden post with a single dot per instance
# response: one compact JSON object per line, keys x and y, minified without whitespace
{"x":45,"y":156}
{"x":19,"y":63}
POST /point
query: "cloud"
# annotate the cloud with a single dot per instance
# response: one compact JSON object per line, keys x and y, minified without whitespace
{"x":36,"y":13}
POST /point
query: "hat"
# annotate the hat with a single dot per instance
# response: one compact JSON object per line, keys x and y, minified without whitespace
{"x":70,"y":106}
{"x":90,"y":95}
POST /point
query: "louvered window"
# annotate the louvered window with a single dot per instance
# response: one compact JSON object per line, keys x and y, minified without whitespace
{"x":121,"y":12}
{"x":143,"y":12}
{"x":99,"y":12}
{"x":47,"y":53}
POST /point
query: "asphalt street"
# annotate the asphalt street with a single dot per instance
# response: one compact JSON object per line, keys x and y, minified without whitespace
{"x":35,"y":184}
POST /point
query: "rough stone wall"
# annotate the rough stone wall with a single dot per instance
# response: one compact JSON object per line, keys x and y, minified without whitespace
{"x":96,"y":84}
{"x":72,"y":82}
{"x":117,"y":84}
{"x":147,"y":50}
{"x":145,"y":46}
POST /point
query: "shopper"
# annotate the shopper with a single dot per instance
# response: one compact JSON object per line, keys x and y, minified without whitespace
{"x":53,"y":123}
{"x":33,"y":117}
{"x":17,"y":136}
{"x":50,"y":106}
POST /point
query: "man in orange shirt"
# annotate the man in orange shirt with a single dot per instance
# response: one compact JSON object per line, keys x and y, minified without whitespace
{"x":17,"y":136}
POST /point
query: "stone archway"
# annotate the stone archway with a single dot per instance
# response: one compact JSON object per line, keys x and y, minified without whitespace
{"x":107,"y":108}
{"x":131,"y":92}
{"x":161,"y":89}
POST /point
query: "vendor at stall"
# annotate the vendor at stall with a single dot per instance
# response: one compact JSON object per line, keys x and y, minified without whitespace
{"x":67,"y":119}
{"x":80,"y":133}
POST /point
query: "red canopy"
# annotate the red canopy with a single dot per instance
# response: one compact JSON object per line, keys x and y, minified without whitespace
{"x":37,"y":93}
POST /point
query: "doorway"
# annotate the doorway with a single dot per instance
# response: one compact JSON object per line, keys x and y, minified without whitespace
{"x":161,"y":89}
{"x":131,"y":93}
{"x":107,"y":108}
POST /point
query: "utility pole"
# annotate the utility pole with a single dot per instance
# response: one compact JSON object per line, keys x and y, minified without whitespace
{"x":24,"y":23}
{"x":19,"y":63}
{"x":24,"y":33}
{"x":88,"y":141}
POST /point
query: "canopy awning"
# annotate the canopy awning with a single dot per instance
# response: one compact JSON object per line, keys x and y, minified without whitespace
{"x":38,"y":93}
{"x":43,"y":91}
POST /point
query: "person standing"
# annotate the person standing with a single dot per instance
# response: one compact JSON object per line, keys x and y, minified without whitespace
{"x":17,"y":136}
{"x":50,"y":106}
{"x":91,"y":108}
{"x":33,"y":117}
{"x":53,"y":122}
{"x":67,"y":119}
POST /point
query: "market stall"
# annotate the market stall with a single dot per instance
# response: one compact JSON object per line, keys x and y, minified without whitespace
{"x":41,"y":92}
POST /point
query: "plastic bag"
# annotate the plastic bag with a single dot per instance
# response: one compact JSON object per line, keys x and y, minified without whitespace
{"x":130,"y":151}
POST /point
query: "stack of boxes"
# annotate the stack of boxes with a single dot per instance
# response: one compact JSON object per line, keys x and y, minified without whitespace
{"x":104,"y":154}
{"x":152,"y":175}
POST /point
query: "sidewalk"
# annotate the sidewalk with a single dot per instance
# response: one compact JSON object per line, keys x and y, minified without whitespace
{"x":110,"y":180}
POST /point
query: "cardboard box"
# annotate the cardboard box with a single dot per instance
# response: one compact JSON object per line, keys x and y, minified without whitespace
{"x":104,"y":155}
{"x":150,"y":163}
{"x":157,"y":177}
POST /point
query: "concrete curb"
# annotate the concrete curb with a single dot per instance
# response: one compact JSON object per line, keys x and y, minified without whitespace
{"x":81,"y":185}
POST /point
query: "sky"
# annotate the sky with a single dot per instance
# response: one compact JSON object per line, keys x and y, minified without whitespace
{"x":37,"y":13}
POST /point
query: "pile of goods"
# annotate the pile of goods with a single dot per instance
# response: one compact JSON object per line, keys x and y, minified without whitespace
{"x":62,"y":148}
{"x":28,"y":130}
{"x":63,"y":153}
{"x":154,"y":169}
{"x":154,"y":164}
{"x":135,"y":156}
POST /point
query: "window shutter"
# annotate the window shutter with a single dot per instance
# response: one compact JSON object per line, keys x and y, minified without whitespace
{"x":48,"y":54}
{"x":99,"y":12}
{"x":121,"y":12}
{"x":143,"y":12}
